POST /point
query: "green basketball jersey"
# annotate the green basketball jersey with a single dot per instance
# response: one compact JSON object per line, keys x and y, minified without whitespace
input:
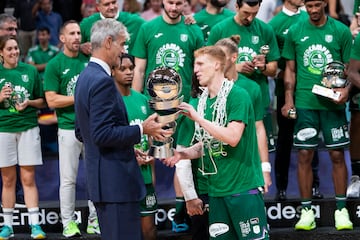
{"x":239,"y":169}
{"x":206,"y":20}
{"x":254,"y":91}
{"x":281,"y":24}
{"x":138,"y":110}
{"x":170,"y":45}
{"x":312,"y":48}
{"x":39,"y":56}
{"x":356,"y":6}
{"x":252,"y":38}
{"x":132,"y":22}
{"x":186,"y":131}
{"x":60,"y":76}
{"x":26,"y":83}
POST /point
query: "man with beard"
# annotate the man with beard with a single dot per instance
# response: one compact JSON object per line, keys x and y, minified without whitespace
{"x":213,"y":13}
{"x":110,"y":9}
{"x":60,"y":77}
{"x":251,"y":62}
{"x":310,"y":45}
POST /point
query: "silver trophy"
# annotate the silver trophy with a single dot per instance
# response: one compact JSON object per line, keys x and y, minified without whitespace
{"x":264,"y":50}
{"x":164,"y":87}
{"x":333,"y":77}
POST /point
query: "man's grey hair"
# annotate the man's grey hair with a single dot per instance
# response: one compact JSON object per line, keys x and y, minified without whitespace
{"x":4,"y":18}
{"x":105,"y":28}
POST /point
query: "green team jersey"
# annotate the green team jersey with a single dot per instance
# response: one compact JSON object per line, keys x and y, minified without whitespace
{"x":281,"y":24}
{"x":254,"y":91}
{"x":60,"y":76}
{"x":355,"y":52}
{"x":312,"y":48}
{"x":356,"y":6}
{"x":132,"y":22}
{"x":206,"y":20}
{"x":38,"y":55}
{"x":170,"y":45}
{"x":252,"y":38}
{"x":138,"y":110}
{"x":240,"y":169}
{"x":186,"y":131}
{"x":27,"y":85}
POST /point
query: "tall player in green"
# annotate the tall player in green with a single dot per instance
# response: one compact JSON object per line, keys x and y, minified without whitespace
{"x":138,"y":110}
{"x":60,"y":78}
{"x":354,"y":77}
{"x":110,"y":9}
{"x":254,"y":34}
{"x":167,"y":41}
{"x":227,"y":147}
{"x":312,"y":44}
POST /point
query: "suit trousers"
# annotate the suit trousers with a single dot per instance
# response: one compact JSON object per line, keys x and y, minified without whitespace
{"x":119,"y":220}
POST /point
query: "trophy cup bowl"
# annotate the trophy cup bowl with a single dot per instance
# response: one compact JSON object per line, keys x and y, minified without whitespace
{"x":164,"y":86}
{"x":333,"y":77}
{"x":265,"y":49}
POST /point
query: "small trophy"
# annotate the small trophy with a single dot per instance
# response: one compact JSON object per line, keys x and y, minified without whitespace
{"x":333,"y":77}
{"x":264,"y":50}
{"x":164,"y":86}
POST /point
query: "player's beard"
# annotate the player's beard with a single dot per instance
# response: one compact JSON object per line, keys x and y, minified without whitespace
{"x":217,"y":3}
{"x":171,"y":17}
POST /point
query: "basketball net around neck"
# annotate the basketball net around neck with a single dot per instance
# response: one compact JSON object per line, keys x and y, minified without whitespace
{"x":219,"y":118}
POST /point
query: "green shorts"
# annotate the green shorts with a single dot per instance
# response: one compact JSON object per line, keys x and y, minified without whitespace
{"x":240,"y":216}
{"x":333,"y":125}
{"x":269,"y":131}
{"x":148,"y":206}
{"x":354,"y":103}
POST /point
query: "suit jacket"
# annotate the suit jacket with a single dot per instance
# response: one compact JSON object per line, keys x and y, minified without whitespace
{"x":113,"y":174}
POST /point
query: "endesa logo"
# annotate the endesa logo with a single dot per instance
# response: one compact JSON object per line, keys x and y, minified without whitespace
{"x":282,"y":211}
{"x":163,"y":215}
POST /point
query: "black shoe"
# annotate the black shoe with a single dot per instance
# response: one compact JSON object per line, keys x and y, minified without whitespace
{"x":316,"y":194}
{"x":281,"y":195}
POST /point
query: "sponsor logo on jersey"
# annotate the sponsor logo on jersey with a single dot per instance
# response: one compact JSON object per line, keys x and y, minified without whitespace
{"x":25,"y":78}
{"x":2,"y":80}
{"x":66,"y":71}
{"x":204,"y":26}
{"x":285,"y":31}
{"x":316,"y":56}
{"x":70,"y":87}
{"x":306,"y":133}
{"x":217,"y":229}
{"x":170,"y":55}
{"x":158,"y":35}
{"x":304,"y":39}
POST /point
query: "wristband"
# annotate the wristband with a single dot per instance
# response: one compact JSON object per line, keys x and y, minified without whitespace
{"x":266,"y":167}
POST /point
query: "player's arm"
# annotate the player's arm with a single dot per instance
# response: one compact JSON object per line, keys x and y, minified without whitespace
{"x":55,"y":100}
{"x":289,"y":85}
{"x":264,"y":153}
{"x":139,"y":73}
{"x":269,"y":69}
{"x":353,"y":72}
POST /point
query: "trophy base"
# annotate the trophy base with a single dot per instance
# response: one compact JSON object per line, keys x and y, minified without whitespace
{"x":162,"y":150}
{"x":326,"y":92}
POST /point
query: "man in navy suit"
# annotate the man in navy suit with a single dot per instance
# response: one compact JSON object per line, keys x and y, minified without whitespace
{"x":114,"y":180}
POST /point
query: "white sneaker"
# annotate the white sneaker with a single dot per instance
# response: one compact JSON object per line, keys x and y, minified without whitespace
{"x":353,"y":190}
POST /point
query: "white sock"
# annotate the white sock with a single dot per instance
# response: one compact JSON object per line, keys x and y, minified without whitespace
{"x":8,"y":216}
{"x":34,"y":216}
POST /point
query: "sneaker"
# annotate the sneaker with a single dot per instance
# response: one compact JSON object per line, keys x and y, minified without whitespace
{"x":353,"y":190}
{"x":37,"y":232}
{"x":306,"y":221}
{"x":6,"y":232}
{"x":179,"y":227}
{"x":93,"y":226}
{"x":342,"y":220}
{"x":71,"y":230}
